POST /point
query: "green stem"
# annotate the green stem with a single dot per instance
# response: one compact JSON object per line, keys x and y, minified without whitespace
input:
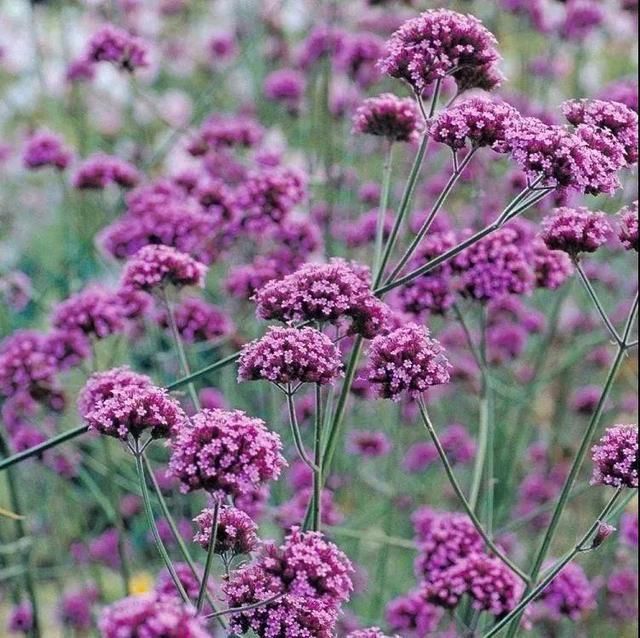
{"x":218,"y":365}
{"x":554,"y":570}
{"x":210,"y":554}
{"x":295,"y":430}
{"x":316,"y":516}
{"x":152,"y":524}
{"x":383,"y":207}
{"x":460,"y":494}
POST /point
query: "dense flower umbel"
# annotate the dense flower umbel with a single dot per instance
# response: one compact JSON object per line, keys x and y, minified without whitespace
{"x":312,"y":573}
{"x":440,"y":43}
{"x":151,"y":616}
{"x":131,"y":410}
{"x":628,"y":226}
{"x":324,"y":293}
{"x":614,"y":117}
{"x":494,"y":267}
{"x":154,"y":266}
{"x":413,"y":615}
{"x":575,"y":230}
{"x":112,"y":44}
{"x":476,"y":122}
{"x":615,"y":457}
{"x":198,"y":320}
{"x":26,"y":364}
{"x":388,"y":116}
{"x":237,"y":533}
{"x":489,"y":583}
{"x":406,"y":360}
{"x":46,"y":149}
{"x":569,"y":594}
{"x":96,"y":312}
{"x":101,"y":386}
{"x":100,"y":170}
{"x":226,"y":453}
{"x":551,"y":267}
{"x":291,"y":355}
{"x":285,"y":86}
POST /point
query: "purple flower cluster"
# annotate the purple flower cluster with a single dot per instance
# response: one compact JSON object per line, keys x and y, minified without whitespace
{"x":413,"y":615}
{"x":371,"y":632}
{"x":613,"y":117}
{"x":155,"y":266}
{"x":495,"y":266}
{"x":46,"y":149}
{"x":615,"y":457}
{"x":406,"y":360}
{"x":312,"y":577}
{"x":151,"y":616}
{"x":285,"y":86}
{"x":227,"y":131}
{"x":551,"y":267}
{"x":575,"y":230}
{"x":569,"y":594}
{"x":198,"y":320}
{"x":115,"y":45}
{"x":75,"y":608}
{"x":291,"y":512}
{"x":225,"y":453}
{"x":237,"y":533}
{"x":325,"y":293}
{"x":439,"y":43}
{"x":100,"y":170}
{"x":388,"y":116}
{"x":368,"y":444}
{"x":628,"y":226}
{"x":131,"y":410}
{"x":291,"y":355}
{"x":476,"y":122}
{"x":456,"y":441}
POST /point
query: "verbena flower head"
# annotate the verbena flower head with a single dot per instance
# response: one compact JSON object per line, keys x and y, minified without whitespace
{"x":220,"y":131}
{"x":96,"y":312}
{"x":439,"y":43}
{"x":388,"y":116}
{"x":583,"y":161}
{"x":20,"y":619}
{"x":569,"y":594}
{"x":285,"y":86}
{"x":237,"y":533}
{"x":628,"y":226}
{"x":225,"y":453}
{"x":494,"y":267}
{"x":46,"y":149}
{"x":132,"y":410}
{"x":614,"y":117}
{"x":406,"y":360}
{"x":551,"y":267}
{"x":489,"y":583}
{"x":100,"y":170}
{"x":575,"y":230}
{"x":75,"y":608}
{"x":413,"y":615}
{"x":115,"y":45}
{"x":155,"y":266}
{"x":475,"y":122}
{"x":324,"y":293}
{"x":368,"y":444}
{"x":198,"y":320}
{"x":312,"y":573}
{"x":291,"y":355}
{"x":615,"y":457}
{"x":165,"y":585}
{"x":26,"y":363}
{"x":151,"y":616}
{"x":68,"y":347}
{"x":101,"y":385}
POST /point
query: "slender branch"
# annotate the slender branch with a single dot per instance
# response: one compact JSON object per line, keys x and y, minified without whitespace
{"x":240,"y":610}
{"x":210,"y":554}
{"x":316,"y":512}
{"x":383,"y":206}
{"x":218,"y":365}
{"x":295,"y":430}
{"x":465,"y":503}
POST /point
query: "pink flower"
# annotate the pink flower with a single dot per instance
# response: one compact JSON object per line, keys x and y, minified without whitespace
{"x":388,"y":116}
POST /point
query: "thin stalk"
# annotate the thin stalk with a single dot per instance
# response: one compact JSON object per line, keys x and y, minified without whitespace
{"x":210,"y":554}
{"x":424,"y":229}
{"x":554,"y":570}
{"x":177,"y":340}
{"x":16,"y":508}
{"x":384,"y":205}
{"x":460,"y":494}
{"x":578,"y":460}
{"x":239,"y":610}
{"x":218,"y":365}
{"x":174,"y":528}
{"x":316,"y":513}
{"x":295,"y":430}
{"x":596,"y":301}
{"x":152,"y":524}
{"x":36,"y":450}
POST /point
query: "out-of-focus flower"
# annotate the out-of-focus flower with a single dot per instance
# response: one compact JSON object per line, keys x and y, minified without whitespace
{"x":43,"y":149}
{"x":100,"y":170}
{"x":115,"y":45}
{"x":628,"y":226}
{"x":569,"y":594}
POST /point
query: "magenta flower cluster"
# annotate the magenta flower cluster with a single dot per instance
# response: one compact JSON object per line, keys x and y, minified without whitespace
{"x":225,"y":453}
{"x":575,"y":230}
{"x":198,"y":320}
{"x":100,"y":170}
{"x":439,"y":43}
{"x":569,"y":594}
{"x":628,"y":226}
{"x":388,"y":116}
{"x":615,"y":457}
{"x":43,"y":149}
{"x":115,"y":45}
{"x":406,"y":360}
{"x":236,"y":532}
{"x":290,"y":355}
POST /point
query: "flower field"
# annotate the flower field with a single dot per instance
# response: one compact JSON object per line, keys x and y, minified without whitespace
{"x":318,"y":319}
